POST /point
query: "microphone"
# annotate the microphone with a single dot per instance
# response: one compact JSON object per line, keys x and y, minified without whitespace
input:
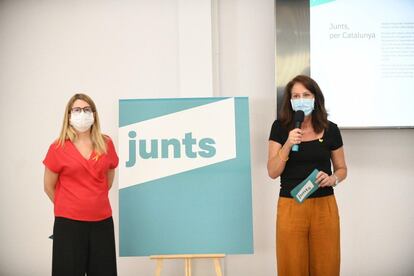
{"x":298,"y":118}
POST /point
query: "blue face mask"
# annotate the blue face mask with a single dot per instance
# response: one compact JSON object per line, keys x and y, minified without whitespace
{"x":306,"y":105}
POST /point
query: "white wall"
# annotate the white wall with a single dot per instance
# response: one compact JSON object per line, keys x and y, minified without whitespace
{"x":131,"y":49}
{"x":247,"y":68}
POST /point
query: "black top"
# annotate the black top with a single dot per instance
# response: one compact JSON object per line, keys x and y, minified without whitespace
{"x":315,"y":154}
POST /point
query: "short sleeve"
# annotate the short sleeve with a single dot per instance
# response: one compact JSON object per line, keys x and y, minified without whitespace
{"x":112,"y":156}
{"x":336,"y":138}
{"x":51,"y":160}
{"x":278,"y":133}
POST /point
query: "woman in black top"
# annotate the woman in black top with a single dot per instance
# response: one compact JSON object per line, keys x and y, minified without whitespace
{"x":307,"y":234}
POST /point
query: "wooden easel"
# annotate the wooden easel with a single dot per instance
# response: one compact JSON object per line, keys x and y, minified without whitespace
{"x":187,"y":261}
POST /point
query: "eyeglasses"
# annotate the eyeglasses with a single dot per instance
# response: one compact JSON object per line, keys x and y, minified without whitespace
{"x":77,"y":110}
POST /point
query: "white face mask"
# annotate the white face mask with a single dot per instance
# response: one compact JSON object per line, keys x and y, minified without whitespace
{"x":81,"y":121}
{"x":306,"y":105}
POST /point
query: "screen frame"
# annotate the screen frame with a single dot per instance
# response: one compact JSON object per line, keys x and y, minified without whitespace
{"x":292,"y":49}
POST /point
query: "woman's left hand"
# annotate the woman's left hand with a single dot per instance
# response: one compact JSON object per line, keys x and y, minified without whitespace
{"x":324,"y":180}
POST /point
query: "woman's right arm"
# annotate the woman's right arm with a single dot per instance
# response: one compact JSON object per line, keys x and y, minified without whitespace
{"x":50,"y":179}
{"x":279,"y":155}
{"x":276,"y":161}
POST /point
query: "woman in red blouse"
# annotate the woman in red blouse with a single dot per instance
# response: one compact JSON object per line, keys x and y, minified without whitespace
{"x":79,"y":171}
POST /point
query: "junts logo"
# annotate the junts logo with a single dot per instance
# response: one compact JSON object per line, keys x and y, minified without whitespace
{"x":169,"y":148}
{"x":177,"y":142}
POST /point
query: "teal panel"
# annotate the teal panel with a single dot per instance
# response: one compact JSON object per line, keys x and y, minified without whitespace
{"x":205,"y":210}
{"x":190,"y":213}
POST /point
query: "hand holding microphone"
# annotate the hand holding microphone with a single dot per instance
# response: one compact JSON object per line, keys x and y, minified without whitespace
{"x":295,"y":136}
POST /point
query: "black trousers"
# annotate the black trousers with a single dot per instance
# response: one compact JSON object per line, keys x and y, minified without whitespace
{"x":83,"y":247}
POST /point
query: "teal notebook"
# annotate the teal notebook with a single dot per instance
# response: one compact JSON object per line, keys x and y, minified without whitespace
{"x":307,"y":187}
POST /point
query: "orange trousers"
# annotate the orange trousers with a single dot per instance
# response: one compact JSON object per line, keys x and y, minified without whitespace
{"x":307,"y":237}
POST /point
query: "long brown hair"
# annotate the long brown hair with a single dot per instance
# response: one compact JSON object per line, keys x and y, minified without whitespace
{"x":319,"y":114}
{"x":68,"y":133}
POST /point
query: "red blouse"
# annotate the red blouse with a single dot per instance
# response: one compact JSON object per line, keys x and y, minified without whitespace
{"x":82,"y":186}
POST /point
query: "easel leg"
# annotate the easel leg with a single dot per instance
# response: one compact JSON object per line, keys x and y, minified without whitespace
{"x":217,"y":266}
{"x":159,"y":267}
{"x":187,"y":267}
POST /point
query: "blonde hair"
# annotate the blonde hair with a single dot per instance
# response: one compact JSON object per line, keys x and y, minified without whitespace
{"x":69,"y":133}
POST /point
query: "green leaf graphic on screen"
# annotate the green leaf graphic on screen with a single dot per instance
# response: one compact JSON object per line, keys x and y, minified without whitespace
{"x":314,"y":3}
